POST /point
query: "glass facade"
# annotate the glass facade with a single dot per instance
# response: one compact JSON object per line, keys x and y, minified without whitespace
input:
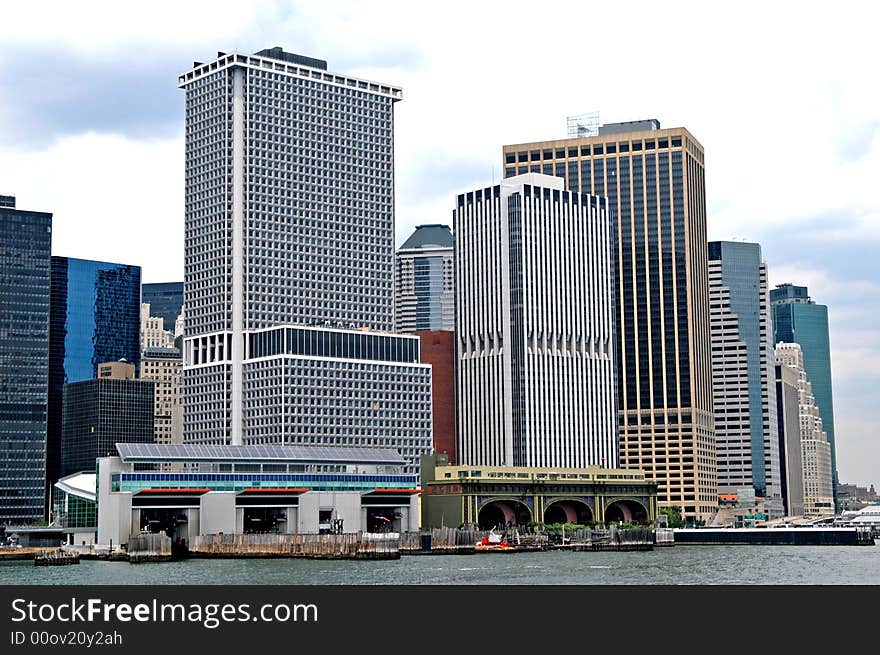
{"x":238,"y":482}
{"x":99,"y":413}
{"x":798,"y":319}
{"x":337,"y":344}
{"x":25,"y":244}
{"x":165,"y":299}
{"x":95,"y":318}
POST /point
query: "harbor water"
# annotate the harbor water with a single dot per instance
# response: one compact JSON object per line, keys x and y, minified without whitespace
{"x":686,"y":565}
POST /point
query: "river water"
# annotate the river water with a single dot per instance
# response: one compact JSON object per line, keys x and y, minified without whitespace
{"x":676,"y":565}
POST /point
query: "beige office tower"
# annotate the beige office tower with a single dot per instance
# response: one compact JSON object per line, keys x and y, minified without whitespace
{"x":818,"y":485}
{"x":654,"y":181}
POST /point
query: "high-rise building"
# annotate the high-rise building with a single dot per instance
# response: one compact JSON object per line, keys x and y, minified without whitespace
{"x":289,"y":256}
{"x":25,"y":260}
{"x":438,"y":349}
{"x":788,"y":414}
{"x":94,"y":318}
{"x":165,"y":300}
{"x":534,"y":326}
{"x":654,"y":181}
{"x":798,"y":319}
{"x":425,"y":281}
{"x":153,"y":331}
{"x":744,"y":388}
{"x":97,"y":414}
{"x":815,"y":447}
{"x":164,"y":366}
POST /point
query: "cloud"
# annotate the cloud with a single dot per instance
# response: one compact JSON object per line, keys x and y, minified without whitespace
{"x":112,"y":198}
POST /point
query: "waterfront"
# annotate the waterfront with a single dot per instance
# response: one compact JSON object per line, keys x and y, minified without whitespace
{"x":677,"y":565}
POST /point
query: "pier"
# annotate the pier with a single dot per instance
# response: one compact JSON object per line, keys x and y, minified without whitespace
{"x":775,"y":536}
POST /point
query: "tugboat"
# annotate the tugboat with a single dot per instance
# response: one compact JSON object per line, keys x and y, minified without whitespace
{"x":493,"y":543}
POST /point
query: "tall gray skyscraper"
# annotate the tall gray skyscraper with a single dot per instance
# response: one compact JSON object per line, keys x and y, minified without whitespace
{"x":25,"y":266}
{"x":534,"y":333}
{"x":654,"y":181}
{"x":425,"y":282}
{"x":743,"y":374}
{"x":289,"y":260}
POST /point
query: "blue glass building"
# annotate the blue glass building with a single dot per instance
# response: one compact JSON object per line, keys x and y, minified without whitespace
{"x":25,"y":252}
{"x":95,"y":318}
{"x":166,"y":300}
{"x":798,"y":319}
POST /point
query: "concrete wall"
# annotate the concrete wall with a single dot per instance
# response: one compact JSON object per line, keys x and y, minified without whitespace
{"x":344,"y":505}
{"x":217,"y":513}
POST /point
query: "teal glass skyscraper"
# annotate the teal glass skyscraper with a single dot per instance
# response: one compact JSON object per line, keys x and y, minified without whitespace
{"x":798,"y":319}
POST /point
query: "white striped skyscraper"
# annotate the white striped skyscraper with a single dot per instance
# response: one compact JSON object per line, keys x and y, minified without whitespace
{"x":534,"y":326}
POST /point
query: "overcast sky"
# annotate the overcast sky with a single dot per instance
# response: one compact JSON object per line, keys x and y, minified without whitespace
{"x":783,"y":96}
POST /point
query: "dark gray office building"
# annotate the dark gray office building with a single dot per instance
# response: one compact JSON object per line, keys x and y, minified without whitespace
{"x":165,"y":299}
{"x":100,"y":413}
{"x":25,"y":261}
{"x":425,"y":281}
{"x":798,"y":319}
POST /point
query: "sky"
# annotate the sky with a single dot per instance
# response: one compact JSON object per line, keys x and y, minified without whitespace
{"x":783,"y":96}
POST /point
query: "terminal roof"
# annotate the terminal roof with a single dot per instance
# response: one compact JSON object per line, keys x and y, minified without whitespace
{"x":152,"y":452}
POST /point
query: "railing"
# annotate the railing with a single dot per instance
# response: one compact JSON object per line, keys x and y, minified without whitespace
{"x":357,"y":545}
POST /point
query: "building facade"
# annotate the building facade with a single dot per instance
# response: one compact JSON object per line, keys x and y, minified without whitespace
{"x":743,"y":360}
{"x":95,"y":318}
{"x":98,"y":414}
{"x":25,"y":261}
{"x":153,"y":331}
{"x":425,"y":281}
{"x":506,"y":496}
{"x":165,"y":300}
{"x":289,"y":256}
{"x":654,"y":181}
{"x":252,"y":489}
{"x":534,"y":326}
{"x":164,"y":366}
{"x":438,"y":350}
{"x":798,"y":319}
{"x":816,"y":463}
{"x":788,"y":416}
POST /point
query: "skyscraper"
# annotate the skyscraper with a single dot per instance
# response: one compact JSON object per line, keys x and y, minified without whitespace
{"x":289,"y":258}
{"x":816,"y":465}
{"x":100,"y":413}
{"x":534,"y":333}
{"x":798,"y":319}
{"x":95,"y":318}
{"x":743,"y":363}
{"x":654,"y":181}
{"x":425,"y":281}
{"x":788,"y":414}
{"x":25,"y":260}
{"x":165,"y":299}
{"x":164,"y":366}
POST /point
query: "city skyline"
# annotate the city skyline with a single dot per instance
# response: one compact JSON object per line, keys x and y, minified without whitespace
{"x":812,"y":221}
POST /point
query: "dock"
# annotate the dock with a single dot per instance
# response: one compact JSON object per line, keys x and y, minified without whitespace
{"x":356,"y":545}
{"x":787,"y":536}
{"x":56,"y":557}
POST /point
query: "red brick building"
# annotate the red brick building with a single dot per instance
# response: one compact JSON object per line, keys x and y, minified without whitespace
{"x":438,"y":350}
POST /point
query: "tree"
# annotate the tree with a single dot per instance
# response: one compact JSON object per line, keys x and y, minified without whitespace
{"x":673,"y":516}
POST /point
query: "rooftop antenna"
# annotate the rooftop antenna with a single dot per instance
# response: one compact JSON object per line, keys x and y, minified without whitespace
{"x":583,"y":125}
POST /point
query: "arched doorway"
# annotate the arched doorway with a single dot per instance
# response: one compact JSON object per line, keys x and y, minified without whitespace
{"x":568,"y":511}
{"x":503,"y":513}
{"x":627,"y":511}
